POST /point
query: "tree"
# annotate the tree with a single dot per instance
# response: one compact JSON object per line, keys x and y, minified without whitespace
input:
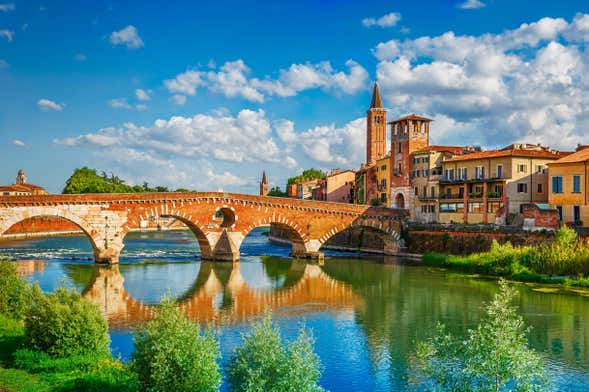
{"x":172,"y":355}
{"x":275,"y":191}
{"x":63,"y":323}
{"x":14,"y":291}
{"x":493,"y":357}
{"x":264,"y":364}
{"x":309,"y":174}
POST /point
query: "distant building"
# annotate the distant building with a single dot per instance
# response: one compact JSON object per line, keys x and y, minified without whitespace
{"x":568,"y":182}
{"x":305,"y":188}
{"x":21,"y":188}
{"x":264,"y":185}
{"x":338,"y":186}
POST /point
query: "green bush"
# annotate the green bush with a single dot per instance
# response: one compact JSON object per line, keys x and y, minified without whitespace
{"x":264,"y":364}
{"x":172,"y":355}
{"x":493,"y":357}
{"x":64,"y":324}
{"x":14,"y":291}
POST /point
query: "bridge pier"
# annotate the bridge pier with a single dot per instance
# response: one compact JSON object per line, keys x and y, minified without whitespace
{"x":225,"y":246}
{"x":307,"y":250}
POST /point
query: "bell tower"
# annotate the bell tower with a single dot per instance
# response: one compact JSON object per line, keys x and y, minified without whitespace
{"x":264,"y":185}
{"x":376,"y":128}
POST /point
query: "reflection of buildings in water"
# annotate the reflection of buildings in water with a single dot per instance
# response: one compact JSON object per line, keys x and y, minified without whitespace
{"x":29,"y":267}
{"x":220,"y":294}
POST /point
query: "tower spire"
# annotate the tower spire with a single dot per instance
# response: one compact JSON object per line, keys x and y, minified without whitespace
{"x":376,"y":102}
{"x":264,"y":184}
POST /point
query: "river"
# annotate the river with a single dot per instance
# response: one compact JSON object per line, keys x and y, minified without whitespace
{"x":366,"y":312}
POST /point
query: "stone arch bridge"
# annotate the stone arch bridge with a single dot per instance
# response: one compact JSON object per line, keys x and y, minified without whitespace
{"x":220,"y":221}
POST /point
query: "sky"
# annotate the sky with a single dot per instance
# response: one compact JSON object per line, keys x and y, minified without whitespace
{"x":206,"y":95}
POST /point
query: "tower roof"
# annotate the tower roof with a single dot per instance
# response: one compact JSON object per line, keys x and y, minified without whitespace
{"x":264,"y":180}
{"x":376,"y":101}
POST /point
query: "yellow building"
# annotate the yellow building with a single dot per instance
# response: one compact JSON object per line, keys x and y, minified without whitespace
{"x":425,"y":180}
{"x":383,"y":178}
{"x":474,"y":187}
{"x":569,"y":179}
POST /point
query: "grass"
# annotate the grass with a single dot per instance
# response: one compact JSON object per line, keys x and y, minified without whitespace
{"x":566,"y":261}
{"x":25,"y":370}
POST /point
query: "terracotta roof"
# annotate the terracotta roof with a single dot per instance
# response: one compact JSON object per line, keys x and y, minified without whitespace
{"x":457,"y":150}
{"x":19,"y":188}
{"x":376,"y":102}
{"x":508,"y":153}
{"x":411,"y":117}
{"x":579,"y":156}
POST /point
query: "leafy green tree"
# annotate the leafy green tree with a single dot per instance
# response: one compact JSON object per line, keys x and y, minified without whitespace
{"x":172,"y":355}
{"x":63,"y":323}
{"x":309,"y":174}
{"x":493,"y":357}
{"x":15,"y":293}
{"x":275,"y":191}
{"x":263,"y":363}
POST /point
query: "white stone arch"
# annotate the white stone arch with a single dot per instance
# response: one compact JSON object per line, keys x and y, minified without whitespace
{"x":19,"y":214}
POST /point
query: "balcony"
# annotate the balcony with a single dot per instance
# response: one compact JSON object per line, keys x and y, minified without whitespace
{"x":450,"y":196}
{"x":428,"y":198}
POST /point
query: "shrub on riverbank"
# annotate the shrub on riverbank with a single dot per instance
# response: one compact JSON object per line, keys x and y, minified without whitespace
{"x":262,"y":363}
{"x":493,"y":357}
{"x":566,"y":256}
{"x":14,"y":292}
{"x":171,"y":354}
{"x":63,"y":323}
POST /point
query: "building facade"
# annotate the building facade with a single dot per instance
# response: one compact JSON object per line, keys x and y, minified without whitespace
{"x":408,"y":135}
{"x":568,"y":182}
{"x":21,"y":187}
{"x":338,"y":186}
{"x":425,"y":180}
{"x":483,"y":187}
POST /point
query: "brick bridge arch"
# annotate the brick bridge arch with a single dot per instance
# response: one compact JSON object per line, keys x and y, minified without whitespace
{"x":107,"y":218}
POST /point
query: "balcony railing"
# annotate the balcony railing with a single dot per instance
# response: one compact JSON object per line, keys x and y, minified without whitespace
{"x":451,"y":196}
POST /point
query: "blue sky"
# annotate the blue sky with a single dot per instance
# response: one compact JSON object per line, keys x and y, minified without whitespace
{"x":207,"y":94}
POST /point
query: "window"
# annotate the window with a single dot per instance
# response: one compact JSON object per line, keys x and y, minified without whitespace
{"x":539,"y":168}
{"x":462,"y":173}
{"x":494,"y":206}
{"x":576,"y":214}
{"x":450,"y":174}
{"x":539,"y":188}
{"x":559,"y":208}
{"x":475,"y":207}
{"x":499,"y":171}
{"x":576,"y":184}
{"x":479,"y":172}
{"x":425,"y":173}
{"x":416,"y":192}
{"x":451,"y":207}
{"x":400,"y":148}
{"x":383,"y":167}
{"x":383,"y":197}
{"x":522,"y":188}
{"x":557,"y":184}
{"x":424,"y":191}
{"x":399,"y":169}
{"x":522,"y":169}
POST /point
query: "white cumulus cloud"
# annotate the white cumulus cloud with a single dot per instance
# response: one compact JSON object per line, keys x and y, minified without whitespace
{"x":471,"y":4}
{"x":7,"y":7}
{"x":233,"y":79}
{"x":7,"y":34}
{"x":142,"y":94}
{"x":524,"y":84}
{"x":47,"y":105}
{"x":128,"y":37}
{"x":119,"y":103}
{"x":388,"y":20}
{"x":18,"y":143}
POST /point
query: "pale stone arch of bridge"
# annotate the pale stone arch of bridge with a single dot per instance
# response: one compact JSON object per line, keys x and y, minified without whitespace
{"x":106,"y":240}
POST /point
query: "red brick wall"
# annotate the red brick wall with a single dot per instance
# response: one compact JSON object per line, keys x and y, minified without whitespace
{"x":43,"y":224}
{"x":544,"y":218}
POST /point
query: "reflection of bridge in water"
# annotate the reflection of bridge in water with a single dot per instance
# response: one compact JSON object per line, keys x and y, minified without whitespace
{"x":220,"y":294}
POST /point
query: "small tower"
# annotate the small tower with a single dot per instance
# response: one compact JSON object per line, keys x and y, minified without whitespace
{"x":264,"y":185}
{"x":376,"y":128}
{"x":21,"y":179}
